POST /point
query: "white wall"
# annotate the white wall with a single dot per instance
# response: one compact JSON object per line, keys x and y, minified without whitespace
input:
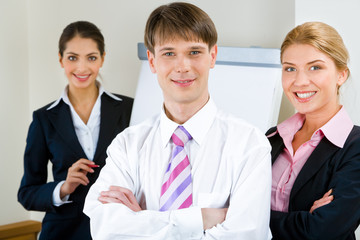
{"x":14,"y":107}
{"x":344,"y":17}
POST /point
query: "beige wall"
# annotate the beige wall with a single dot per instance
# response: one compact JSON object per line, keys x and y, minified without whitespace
{"x":122,"y":23}
{"x":31,"y":75}
{"x":14,"y":107}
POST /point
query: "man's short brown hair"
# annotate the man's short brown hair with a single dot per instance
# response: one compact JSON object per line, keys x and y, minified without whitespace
{"x":179,"y":19}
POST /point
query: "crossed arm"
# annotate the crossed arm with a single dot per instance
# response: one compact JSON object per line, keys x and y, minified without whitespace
{"x":210,"y":216}
{"x":331,"y":217}
{"x":115,"y":211}
{"x":326,"y":199}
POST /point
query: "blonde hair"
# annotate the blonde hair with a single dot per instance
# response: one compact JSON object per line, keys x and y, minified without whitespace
{"x":321,"y":36}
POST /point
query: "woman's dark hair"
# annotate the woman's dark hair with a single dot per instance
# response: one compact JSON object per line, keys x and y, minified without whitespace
{"x":82,"y":29}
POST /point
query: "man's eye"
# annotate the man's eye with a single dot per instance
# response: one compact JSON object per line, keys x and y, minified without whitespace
{"x":194,"y":52}
{"x":169,"y":54}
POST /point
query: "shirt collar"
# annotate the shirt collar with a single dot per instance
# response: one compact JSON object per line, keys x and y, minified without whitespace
{"x":290,"y":126}
{"x":198,"y":125}
{"x":336,"y":130}
{"x":64,"y":96}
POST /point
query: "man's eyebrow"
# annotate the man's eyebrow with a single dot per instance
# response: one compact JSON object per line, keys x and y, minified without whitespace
{"x":197,"y":47}
{"x":166,"y":49}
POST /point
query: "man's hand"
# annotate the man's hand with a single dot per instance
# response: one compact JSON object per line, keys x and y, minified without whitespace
{"x":120,"y":195}
{"x":326,"y":199}
{"x":76,"y":175}
{"x":213,"y":216}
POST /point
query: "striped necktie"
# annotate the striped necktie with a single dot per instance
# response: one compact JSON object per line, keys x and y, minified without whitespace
{"x":176,"y":191}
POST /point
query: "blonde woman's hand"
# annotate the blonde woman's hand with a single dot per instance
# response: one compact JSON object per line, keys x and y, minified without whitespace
{"x":326,"y":199}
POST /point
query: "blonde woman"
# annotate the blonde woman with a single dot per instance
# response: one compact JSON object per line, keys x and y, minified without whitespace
{"x":316,"y":152}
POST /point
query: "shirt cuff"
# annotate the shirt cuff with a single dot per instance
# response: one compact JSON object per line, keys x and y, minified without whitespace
{"x":189,"y":220}
{"x":57,"y":201}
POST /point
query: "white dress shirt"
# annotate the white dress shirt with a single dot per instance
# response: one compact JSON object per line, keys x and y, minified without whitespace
{"x":87,"y":134}
{"x":231,"y":168}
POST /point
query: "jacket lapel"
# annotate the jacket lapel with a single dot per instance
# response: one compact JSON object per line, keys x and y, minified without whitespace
{"x":317,"y":159}
{"x":277,"y":145}
{"x":110,"y":114}
{"x":60,"y":117}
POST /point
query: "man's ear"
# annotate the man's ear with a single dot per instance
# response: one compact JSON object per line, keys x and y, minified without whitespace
{"x":213,"y":54}
{"x":151,"y":58}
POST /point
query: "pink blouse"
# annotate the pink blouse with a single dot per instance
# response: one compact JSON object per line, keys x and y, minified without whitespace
{"x":288,"y":165}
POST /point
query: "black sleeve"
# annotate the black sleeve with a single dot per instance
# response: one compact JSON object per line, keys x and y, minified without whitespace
{"x":34,"y":192}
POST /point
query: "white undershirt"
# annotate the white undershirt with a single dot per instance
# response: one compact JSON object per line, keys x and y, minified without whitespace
{"x":87,"y":134}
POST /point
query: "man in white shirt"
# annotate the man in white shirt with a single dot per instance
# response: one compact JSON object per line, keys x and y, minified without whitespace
{"x":223,"y":188}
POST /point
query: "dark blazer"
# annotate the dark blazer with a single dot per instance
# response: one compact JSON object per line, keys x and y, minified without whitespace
{"x":328,"y":167}
{"x":52,"y":137}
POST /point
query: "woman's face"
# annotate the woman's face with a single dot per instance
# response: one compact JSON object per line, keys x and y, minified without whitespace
{"x":310,"y":80}
{"x":81,"y":61}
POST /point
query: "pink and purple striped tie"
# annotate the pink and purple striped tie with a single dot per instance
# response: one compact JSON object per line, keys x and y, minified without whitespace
{"x":176,"y":191}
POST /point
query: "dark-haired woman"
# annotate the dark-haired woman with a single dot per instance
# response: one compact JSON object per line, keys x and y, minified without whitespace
{"x":73,"y":133}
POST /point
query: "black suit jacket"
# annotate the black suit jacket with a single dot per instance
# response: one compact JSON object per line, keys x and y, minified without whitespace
{"x":328,"y":167}
{"x":52,"y":137}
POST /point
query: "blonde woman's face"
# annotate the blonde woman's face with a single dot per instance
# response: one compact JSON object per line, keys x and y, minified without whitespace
{"x":310,"y":80}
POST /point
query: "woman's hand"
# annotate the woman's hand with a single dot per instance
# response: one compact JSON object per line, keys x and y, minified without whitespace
{"x":76,"y":176}
{"x":326,"y":199}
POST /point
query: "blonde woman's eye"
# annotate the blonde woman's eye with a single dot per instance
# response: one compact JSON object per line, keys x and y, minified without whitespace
{"x":290,"y":69}
{"x":92,"y":58}
{"x":314,"y":68}
{"x":72,"y":58}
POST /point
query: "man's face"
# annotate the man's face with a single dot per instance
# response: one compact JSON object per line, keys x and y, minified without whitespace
{"x":182,"y":69}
